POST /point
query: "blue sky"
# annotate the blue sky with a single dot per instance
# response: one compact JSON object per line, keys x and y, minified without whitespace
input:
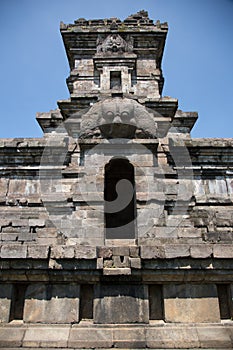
{"x":197,"y":63}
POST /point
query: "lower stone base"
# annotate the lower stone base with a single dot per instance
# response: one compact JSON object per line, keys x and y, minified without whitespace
{"x":87,"y":335}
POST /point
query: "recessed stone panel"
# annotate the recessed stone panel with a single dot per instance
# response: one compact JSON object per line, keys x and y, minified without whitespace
{"x":121,"y":304}
{"x":58,"y":303}
{"x":191,"y":303}
{"x":6,"y":292}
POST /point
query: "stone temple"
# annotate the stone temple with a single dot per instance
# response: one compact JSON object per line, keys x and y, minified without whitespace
{"x":116,"y":226}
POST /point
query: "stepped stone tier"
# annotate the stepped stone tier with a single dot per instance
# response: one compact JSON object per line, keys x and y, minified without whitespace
{"x":116,"y":226}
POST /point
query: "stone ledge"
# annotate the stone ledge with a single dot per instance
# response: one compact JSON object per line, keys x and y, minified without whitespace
{"x":26,"y":142}
{"x":215,"y":337}
{"x":14,"y":251}
{"x":11,"y":336}
{"x":223,"y":251}
{"x":208,"y":142}
{"x":117,"y":271}
{"x":37,"y":251}
{"x":81,"y":336}
{"x":168,"y":251}
{"x":48,"y":348}
{"x":46,"y":337}
{"x":85,"y":338}
{"x":129,"y":337}
{"x":195,"y":251}
{"x":201,"y":251}
{"x":162,"y":251}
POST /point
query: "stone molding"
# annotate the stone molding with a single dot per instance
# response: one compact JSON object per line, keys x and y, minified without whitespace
{"x":87,"y":335}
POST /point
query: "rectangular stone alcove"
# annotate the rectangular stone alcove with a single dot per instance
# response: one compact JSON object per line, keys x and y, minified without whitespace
{"x":225,"y":300}
{"x":17,"y":301}
{"x":156,"y":305}
{"x":121,"y":304}
{"x":115,"y":80}
{"x":86,"y":301}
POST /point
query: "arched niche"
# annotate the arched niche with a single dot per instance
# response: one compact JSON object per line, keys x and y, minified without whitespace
{"x":120,"y":208}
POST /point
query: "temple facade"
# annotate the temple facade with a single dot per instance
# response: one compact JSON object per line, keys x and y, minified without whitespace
{"x":116,"y":226}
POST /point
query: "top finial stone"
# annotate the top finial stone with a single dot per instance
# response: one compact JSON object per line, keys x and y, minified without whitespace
{"x":139,"y":19}
{"x":139,"y":15}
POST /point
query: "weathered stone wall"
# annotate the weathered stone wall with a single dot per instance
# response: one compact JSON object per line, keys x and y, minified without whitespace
{"x":47,"y":218}
{"x":59,"y":264}
{"x":64,"y":206}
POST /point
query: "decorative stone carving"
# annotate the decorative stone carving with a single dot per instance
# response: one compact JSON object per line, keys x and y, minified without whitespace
{"x":119,"y":117}
{"x":114,"y":43}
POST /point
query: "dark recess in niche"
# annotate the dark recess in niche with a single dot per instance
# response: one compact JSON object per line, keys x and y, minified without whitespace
{"x":119,"y":224}
{"x":156,"y":304}
{"x":225,"y":302}
{"x":86,"y":301}
{"x":17,"y":301}
{"x":115,"y":80}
